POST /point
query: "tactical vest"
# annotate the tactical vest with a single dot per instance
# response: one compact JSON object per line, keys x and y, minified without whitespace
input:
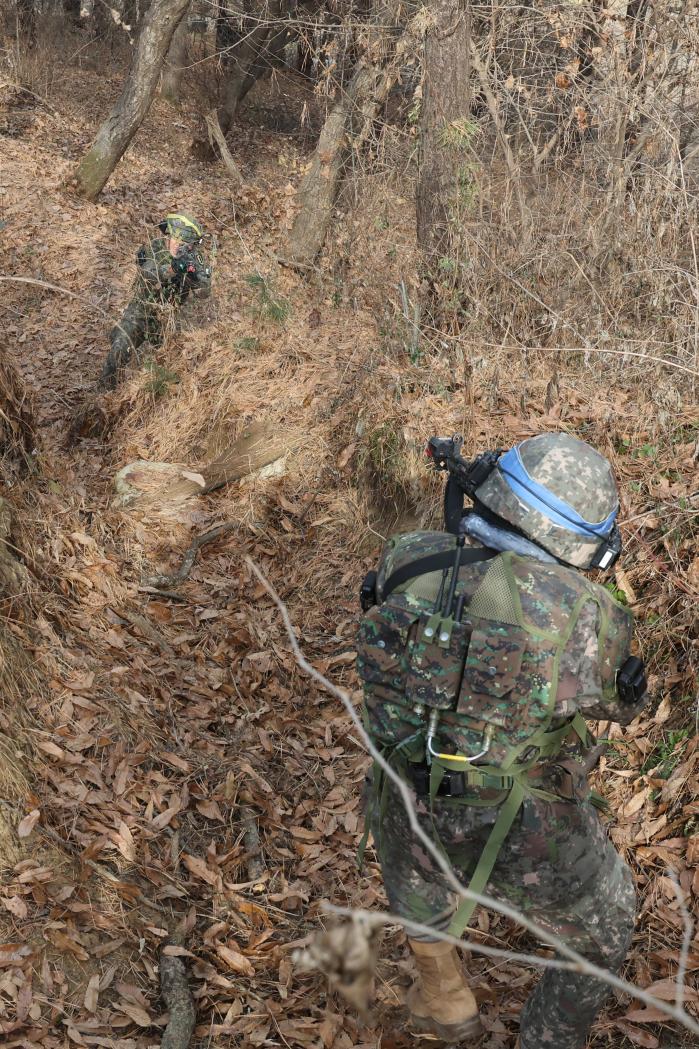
{"x":473,"y":687}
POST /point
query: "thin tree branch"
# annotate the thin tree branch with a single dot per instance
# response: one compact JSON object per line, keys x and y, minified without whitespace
{"x":172,"y":579}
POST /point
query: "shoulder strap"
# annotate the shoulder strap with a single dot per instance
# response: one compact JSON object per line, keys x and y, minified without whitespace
{"x":433,"y":563}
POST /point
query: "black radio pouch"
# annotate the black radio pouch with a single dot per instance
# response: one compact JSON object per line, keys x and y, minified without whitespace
{"x":631,"y":681}
{"x":367,"y":593}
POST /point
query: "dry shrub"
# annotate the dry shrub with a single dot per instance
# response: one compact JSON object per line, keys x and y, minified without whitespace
{"x":20,"y":683}
{"x":576,"y":218}
{"x":17,"y":437}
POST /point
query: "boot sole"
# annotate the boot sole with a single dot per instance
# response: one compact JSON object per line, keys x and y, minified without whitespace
{"x":472,"y":1028}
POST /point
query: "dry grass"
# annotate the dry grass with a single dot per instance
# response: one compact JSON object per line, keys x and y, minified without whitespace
{"x":338,"y":367}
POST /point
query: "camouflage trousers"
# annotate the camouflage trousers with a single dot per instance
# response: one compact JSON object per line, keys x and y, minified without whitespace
{"x":556,"y":865}
{"x":140,"y":321}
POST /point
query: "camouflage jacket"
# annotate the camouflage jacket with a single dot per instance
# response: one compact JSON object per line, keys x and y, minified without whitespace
{"x":158,"y":282}
{"x":556,"y":653}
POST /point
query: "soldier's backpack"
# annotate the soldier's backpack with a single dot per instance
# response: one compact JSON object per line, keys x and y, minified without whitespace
{"x":459,"y":660}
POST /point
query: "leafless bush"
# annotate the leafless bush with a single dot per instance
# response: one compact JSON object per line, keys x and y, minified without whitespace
{"x":578,"y":177}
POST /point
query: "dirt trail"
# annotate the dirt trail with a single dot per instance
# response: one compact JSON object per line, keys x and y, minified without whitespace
{"x":168,"y":727}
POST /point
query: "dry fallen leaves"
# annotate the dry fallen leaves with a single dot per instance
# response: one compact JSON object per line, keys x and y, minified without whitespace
{"x":27,"y":825}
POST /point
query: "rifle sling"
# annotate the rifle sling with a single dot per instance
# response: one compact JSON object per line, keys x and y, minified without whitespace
{"x":433,"y":563}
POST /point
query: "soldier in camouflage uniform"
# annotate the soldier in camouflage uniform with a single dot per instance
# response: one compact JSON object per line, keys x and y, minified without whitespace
{"x":169,"y":268}
{"x":557,"y":645}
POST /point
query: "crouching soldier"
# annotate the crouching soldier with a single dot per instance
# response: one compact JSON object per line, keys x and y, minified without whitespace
{"x":169,"y":268}
{"x":481,"y":655}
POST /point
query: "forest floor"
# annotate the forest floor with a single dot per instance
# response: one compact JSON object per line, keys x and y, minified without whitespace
{"x":162,"y":726}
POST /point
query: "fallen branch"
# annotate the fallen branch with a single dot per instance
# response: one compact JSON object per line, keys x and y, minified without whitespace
{"x":216,"y":135}
{"x":253,"y":851}
{"x":69,"y":294}
{"x":579,"y":964}
{"x":319,"y":186}
{"x":173,"y":579}
{"x":175,"y":992}
{"x":171,"y":595}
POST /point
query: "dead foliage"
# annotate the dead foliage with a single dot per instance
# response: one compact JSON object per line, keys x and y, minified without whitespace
{"x":162,"y":724}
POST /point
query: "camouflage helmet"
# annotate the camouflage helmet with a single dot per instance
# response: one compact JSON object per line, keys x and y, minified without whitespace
{"x":184,"y":227}
{"x":559,"y":492}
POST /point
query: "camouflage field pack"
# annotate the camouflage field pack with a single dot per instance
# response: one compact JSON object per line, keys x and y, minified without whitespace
{"x":463,"y":667}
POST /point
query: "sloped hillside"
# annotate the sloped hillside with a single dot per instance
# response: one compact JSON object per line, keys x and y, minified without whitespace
{"x":174,"y":776}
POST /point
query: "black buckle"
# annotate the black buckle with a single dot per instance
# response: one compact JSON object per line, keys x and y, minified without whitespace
{"x":420,"y":778}
{"x":367,"y":592}
{"x":451,"y":786}
{"x":607,"y":553}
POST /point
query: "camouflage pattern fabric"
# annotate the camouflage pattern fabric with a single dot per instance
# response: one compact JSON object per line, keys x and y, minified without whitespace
{"x":572,"y":471}
{"x":554,"y":650}
{"x":156,"y":286}
{"x":556,"y":866}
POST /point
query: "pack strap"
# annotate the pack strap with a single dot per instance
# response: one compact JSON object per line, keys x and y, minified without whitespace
{"x":547,"y":745}
{"x":579,"y":727}
{"x":433,"y":563}
{"x":484,"y":868}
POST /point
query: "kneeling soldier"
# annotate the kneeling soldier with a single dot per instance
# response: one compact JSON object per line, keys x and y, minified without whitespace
{"x":481,"y":657}
{"x":169,"y":268}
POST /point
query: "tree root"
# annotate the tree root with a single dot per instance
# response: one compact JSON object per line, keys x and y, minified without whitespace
{"x":173,"y":579}
{"x":149,"y":631}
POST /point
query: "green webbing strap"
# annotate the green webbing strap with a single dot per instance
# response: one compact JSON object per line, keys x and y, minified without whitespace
{"x":600,"y":803}
{"x":484,"y":869}
{"x":379,"y":788}
{"x":548,"y":744}
{"x":376,"y":791}
{"x":437,"y":772}
{"x":579,"y":727}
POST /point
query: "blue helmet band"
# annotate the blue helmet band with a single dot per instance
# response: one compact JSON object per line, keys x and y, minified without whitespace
{"x":539,"y":498}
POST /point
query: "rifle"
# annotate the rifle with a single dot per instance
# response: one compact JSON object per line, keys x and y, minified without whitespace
{"x":465,"y":476}
{"x":184,"y":262}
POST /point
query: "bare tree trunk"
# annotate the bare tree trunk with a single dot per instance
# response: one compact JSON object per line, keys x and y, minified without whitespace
{"x":317,"y":192}
{"x":249,"y":58}
{"x":445,"y":131}
{"x":123,"y":122}
{"x":176,"y":60}
{"x":352,"y":114}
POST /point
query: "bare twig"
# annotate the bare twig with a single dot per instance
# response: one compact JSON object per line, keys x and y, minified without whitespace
{"x":149,"y":631}
{"x":190,"y":556}
{"x":69,"y":294}
{"x":253,"y":851}
{"x":580,"y":964}
{"x":687,"y":934}
{"x":383,"y":918}
{"x":114,"y":879}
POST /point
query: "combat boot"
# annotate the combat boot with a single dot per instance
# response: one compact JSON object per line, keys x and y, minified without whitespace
{"x":441,"y":1002}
